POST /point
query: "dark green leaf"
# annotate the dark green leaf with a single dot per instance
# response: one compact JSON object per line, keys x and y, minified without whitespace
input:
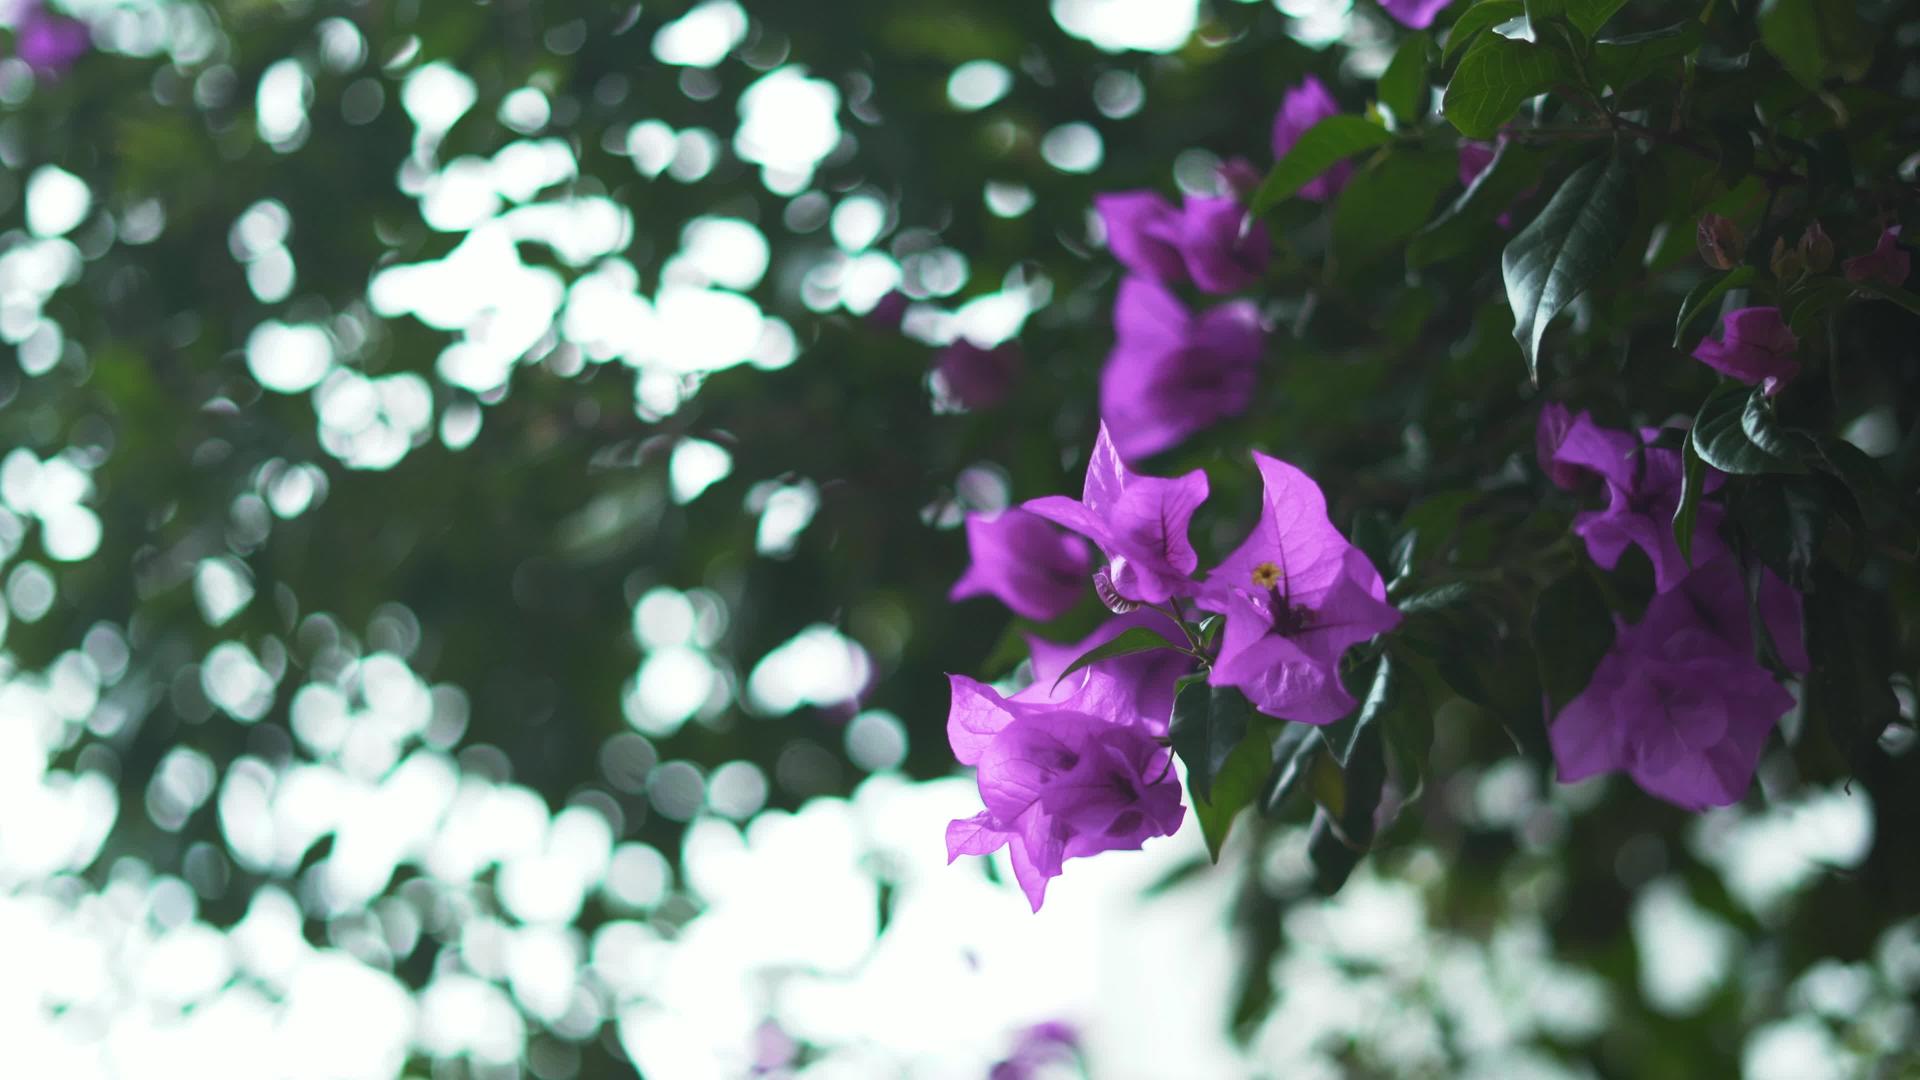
{"x":1295,"y":750}
{"x":1890,"y":292}
{"x":1469,"y":221}
{"x":1342,"y":735}
{"x":1386,"y":202}
{"x":1814,"y":38}
{"x":1403,"y":86}
{"x":1883,"y":505}
{"x":1705,"y":293}
{"x":1209,"y":722}
{"x":1493,"y":78}
{"x":1781,"y":521}
{"x":1850,"y":641}
{"x":1322,"y":146}
{"x":1332,"y":859}
{"x":1721,"y":440}
{"x":1763,"y":428}
{"x":1693,"y":475}
{"x":1481,"y":16}
{"x":1573,"y":240}
{"x":1137,"y":639}
{"x":1622,"y":61}
{"x":1572,"y":630}
{"x":1235,"y":785}
{"x":1439,"y":598}
{"x":1591,"y":15}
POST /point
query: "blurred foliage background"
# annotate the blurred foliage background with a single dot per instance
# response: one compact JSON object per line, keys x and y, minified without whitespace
{"x":457,"y":466}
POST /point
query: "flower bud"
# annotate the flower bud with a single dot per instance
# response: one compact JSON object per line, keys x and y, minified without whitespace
{"x":1788,"y":264}
{"x":1721,"y":242}
{"x":1816,"y":248}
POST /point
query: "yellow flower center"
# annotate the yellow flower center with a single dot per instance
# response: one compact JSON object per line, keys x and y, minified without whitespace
{"x":1266,"y":575}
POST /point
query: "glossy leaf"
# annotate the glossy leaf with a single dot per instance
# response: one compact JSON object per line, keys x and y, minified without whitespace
{"x":1209,"y":723}
{"x":1235,"y":786}
{"x":1322,"y":146}
{"x":1134,"y":640}
{"x":1477,"y":18}
{"x":1693,"y":475}
{"x":1569,"y":245}
{"x":1705,"y":294}
{"x":1493,"y":78}
{"x":1720,"y":435}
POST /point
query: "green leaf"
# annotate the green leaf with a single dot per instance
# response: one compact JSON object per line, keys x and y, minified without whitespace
{"x":1386,"y":202}
{"x":1138,"y":639}
{"x":1333,"y":860}
{"x":1481,"y":16}
{"x":1322,"y":146}
{"x":1883,"y":505}
{"x":1720,"y":436}
{"x":1295,"y":750}
{"x":1403,"y":86}
{"x":1495,"y":76}
{"x":1209,"y":722}
{"x":1781,"y":521}
{"x":1850,"y":640}
{"x":1439,"y":598}
{"x":1235,"y":785}
{"x":1469,"y":221}
{"x":1815,"y":38}
{"x":1889,"y":292}
{"x":1344,"y":734}
{"x":1762,"y":428}
{"x":1572,"y":629}
{"x":1573,"y":240}
{"x":1591,"y":15}
{"x":1704,"y":294}
{"x":1622,"y":61}
{"x":1693,"y":476}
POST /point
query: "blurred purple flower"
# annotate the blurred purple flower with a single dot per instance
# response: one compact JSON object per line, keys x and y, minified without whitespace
{"x":1204,"y":241}
{"x":1475,"y":158}
{"x":1416,"y":14}
{"x":1643,"y":491}
{"x":1025,"y":562}
{"x":889,"y":311}
{"x":975,"y":377}
{"x":1304,"y":106}
{"x":1050,"y":1043}
{"x":1172,"y":373}
{"x":1139,"y":522}
{"x":1556,"y":423}
{"x":1239,"y":178}
{"x":1755,"y":346}
{"x":1060,"y":778}
{"x":49,"y":43}
{"x":1296,"y":596}
{"x":773,"y":1048}
{"x":1888,"y":263}
{"x":1679,"y":703}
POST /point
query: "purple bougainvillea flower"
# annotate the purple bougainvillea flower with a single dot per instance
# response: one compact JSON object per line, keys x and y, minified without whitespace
{"x":1224,"y":252}
{"x":1755,"y":346}
{"x":1139,"y":522}
{"x":1203,"y":242}
{"x":1296,"y":595}
{"x":1304,"y":106}
{"x":1025,"y":562}
{"x":1643,"y":491}
{"x":889,"y":311}
{"x":1059,"y":778}
{"x":1417,"y":14}
{"x":1172,"y":373}
{"x":1239,"y":178}
{"x":1679,"y":703}
{"x":47,"y":42}
{"x":1040,"y":1046}
{"x":1556,"y":423}
{"x":1887,"y":263}
{"x":1145,"y":681}
{"x":975,"y":377}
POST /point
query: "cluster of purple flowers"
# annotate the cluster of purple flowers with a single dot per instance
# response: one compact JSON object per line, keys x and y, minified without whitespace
{"x":1078,"y":762}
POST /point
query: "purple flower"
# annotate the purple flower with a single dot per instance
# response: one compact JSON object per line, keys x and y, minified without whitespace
{"x":1679,"y":704}
{"x":889,"y":311}
{"x":1304,"y":106}
{"x":1139,"y":522}
{"x":978,"y":378}
{"x":1024,"y":562}
{"x":1476,"y":158}
{"x":1643,"y":491}
{"x":1239,"y":178}
{"x":1556,"y":423}
{"x":1416,"y":14}
{"x":1041,"y":1045}
{"x":1296,"y":596}
{"x":1062,"y":777}
{"x":1755,"y":346}
{"x":1172,"y":373}
{"x":1204,"y":241}
{"x":1887,"y":263}
{"x":1145,"y":679}
{"x":49,"y":43}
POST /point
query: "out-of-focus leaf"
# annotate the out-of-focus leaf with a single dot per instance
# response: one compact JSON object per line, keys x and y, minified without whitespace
{"x":1479,"y":17}
{"x":1471,"y":218}
{"x":1318,"y":149}
{"x":1493,"y":78}
{"x":1570,"y":244}
{"x":1781,"y":519}
{"x":1850,"y":641}
{"x":1622,"y":61}
{"x":1403,"y":86}
{"x":1572,"y":630}
{"x":1814,"y":39}
{"x":1386,"y":202}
